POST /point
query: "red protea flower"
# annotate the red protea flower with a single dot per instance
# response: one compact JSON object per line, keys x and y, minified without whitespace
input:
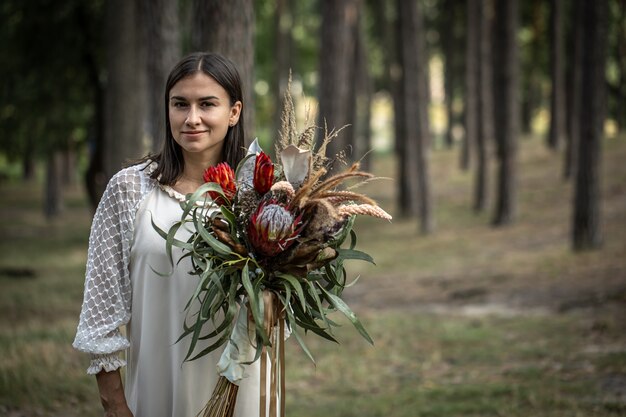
{"x":272,"y":228}
{"x":263,"y":173}
{"x":223,"y":175}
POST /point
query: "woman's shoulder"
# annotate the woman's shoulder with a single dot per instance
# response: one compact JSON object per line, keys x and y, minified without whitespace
{"x":134,"y":179}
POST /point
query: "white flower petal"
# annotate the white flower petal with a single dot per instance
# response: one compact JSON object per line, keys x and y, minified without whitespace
{"x":296,"y":164}
{"x":245,"y":173}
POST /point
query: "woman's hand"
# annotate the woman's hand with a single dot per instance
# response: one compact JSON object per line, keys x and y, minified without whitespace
{"x":112,"y":394}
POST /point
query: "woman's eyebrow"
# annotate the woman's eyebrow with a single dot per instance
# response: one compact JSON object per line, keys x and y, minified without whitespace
{"x":200,"y":99}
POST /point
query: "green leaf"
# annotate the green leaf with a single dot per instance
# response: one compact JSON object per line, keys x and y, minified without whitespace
{"x":340,"y":305}
{"x":355,"y":254}
{"x":254,"y":304}
{"x":296,"y":285}
{"x":219,"y":247}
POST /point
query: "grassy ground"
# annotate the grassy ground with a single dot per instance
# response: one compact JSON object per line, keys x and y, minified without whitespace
{"x":471,"y":321}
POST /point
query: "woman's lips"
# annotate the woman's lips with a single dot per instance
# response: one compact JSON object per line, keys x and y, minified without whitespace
{"x":194,"y":132}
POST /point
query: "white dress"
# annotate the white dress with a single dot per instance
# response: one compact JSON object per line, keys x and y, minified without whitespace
{"x":121,"y":288}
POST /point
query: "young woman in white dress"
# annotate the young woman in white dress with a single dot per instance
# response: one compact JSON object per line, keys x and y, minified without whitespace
{"x":204,"y":126}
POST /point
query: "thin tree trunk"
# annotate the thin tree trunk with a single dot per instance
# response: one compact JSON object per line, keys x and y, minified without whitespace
{"x":621,"y":54}
{"x":507,"y":109}
{"x":69,"y":167}
{"x":54,"y":189}
{"x":124,"y":91}
{"x":361,"y":98}
{"x":484,"y":137}
{"x":447,"y":34}
{"x":471,"y":86}
{"x":586,"y":220}
{"x":531,"y":95}
{"x":94,"y":179}
{"x":161,"y":41}
{"x":556,"y":136}
{"x":28,"y":163}
{"x":573,"y":122}
{"x":228,"y":27}
{"x":336,"y":63}
{"x":414,"y":62}
{"x":282,"y":54}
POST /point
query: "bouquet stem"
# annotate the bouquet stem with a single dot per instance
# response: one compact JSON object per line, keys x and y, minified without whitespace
{"x":273,"y":317}
{"x":223,"y":400}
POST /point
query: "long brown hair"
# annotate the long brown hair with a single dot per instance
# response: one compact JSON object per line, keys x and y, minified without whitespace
{"x":170,"y":159}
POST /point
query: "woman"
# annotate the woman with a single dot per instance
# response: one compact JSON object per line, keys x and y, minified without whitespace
{"x":204,"y":126}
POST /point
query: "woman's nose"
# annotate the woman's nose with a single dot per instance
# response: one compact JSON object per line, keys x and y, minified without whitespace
{"x":193,"y":117}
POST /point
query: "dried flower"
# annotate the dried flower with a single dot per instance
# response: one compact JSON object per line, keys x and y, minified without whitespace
{"x":223,"y":175}
{"x":263,"y":173}
{"x":363,"y":209}
{"x":272,"y":228}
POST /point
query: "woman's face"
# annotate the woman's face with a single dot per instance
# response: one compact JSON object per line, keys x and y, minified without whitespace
{"x":200,"y":114}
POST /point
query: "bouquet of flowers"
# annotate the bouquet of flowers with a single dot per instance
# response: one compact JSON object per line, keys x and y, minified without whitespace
{"x":269,"y":237}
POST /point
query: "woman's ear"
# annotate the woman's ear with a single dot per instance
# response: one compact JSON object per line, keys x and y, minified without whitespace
{"x":235,"y":112}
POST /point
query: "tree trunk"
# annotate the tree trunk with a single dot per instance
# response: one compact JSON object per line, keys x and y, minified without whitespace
{"x":339,"y":18}
{"x":450,"y":23}
{"x":556,"y":136}
{"x":484,"y":137}
{"x":471,"y":83}
{"x":573,"y":102}
{"x":69,"y":167}
{"x":620,"y":110}
{"x":94,"y":179}
{"x":361,"y":98}
{"x":228,"y":27}
{"x":54,"y":187}
{"x":507,"y":109}
{"x":161,"y":41}
{"x":417,"y":132}
{"x":531,"y":95}
{"x":282,"y":55}
{"x":124,"y":92}
{"x":28,"y":163}
{"x":586,"y":220}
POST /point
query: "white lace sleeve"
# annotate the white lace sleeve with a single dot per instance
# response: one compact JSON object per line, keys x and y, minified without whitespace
{"x":107,"y":297}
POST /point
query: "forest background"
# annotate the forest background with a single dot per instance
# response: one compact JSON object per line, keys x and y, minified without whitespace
{"x":500,"y":288}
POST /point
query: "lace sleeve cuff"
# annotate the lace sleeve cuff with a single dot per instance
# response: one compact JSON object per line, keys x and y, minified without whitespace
{"x":108,"y":362}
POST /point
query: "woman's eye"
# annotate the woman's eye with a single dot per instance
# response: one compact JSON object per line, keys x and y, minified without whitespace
{"x":208,"y":104}
{"x":180,"y":104}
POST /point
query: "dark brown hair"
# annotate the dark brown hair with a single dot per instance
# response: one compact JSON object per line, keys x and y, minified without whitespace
{"x":170,"y":159}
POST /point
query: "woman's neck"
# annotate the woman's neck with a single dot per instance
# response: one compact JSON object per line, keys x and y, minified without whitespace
{"x":195,"y":165}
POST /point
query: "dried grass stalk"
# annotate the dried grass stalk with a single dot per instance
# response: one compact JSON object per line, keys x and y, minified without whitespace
{"x":223,"y":400}
{"x":364,"y":209}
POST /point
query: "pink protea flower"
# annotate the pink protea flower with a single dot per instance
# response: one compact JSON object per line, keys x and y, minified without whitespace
{"x":223,"y":175}
{"x":273,"y":228}
{"x":263,"y":173}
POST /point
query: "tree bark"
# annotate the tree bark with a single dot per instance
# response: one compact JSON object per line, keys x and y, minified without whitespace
{"x":339,"y":18}
{"x":621,"y":54}
{"x":124,"y":92}
{"x":161,"y":41}
{"x":531,"y":94}
{"x":586,"y":220}
{"x":361,"y":98}
{"x":507,"y":108}
{"x":54,"y":187}
{"x":471,"y":83}
{"x":556,"y":136}
{"x":282,"y":55}
{"x":450,"y":39}
{"x":415,"y":94}
{"x":28,"y":163}
{"x":228,"y":27}
{"x":485,"y":131}
{"x":574,"y":95}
